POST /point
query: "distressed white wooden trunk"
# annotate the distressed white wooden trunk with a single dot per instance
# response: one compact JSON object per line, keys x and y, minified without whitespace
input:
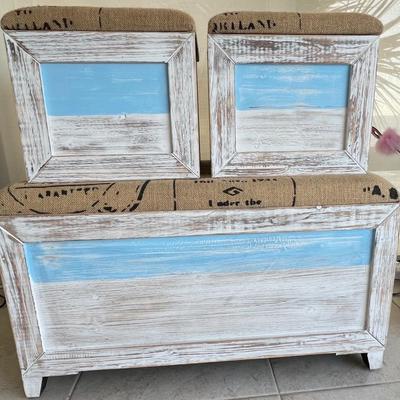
{"x":95,"y":292}
{"x":274,"y":103}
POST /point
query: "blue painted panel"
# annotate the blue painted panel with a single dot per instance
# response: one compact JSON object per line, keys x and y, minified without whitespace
{"x":291,"y":85}
{"x":149,"y":257}
{"x":105,"y":89}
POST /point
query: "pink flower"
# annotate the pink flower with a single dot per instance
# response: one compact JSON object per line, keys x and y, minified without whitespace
{"x":389,"y":142}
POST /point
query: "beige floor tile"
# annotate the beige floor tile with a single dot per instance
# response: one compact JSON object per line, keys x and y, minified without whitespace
{"x":191,"y":382}
{"x":388,"y":391}
{"x":300,"y":374}
{"x":10,"y":379}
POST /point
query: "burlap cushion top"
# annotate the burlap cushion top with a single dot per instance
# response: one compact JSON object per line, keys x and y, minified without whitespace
{"x":196,"y":194}
{"x":98,"y":19}
{"x":292,"y":23}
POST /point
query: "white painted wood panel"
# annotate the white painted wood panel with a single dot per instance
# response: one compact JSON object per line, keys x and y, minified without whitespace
{"x":88,"y":168}
{"x":71,"y":362}
{"x":243,"y":48}
{"x":290,"y":163}
{"x":184,"y":106}
{"x":20,"y":303}
{"x":70,"y":46}
{"x":383,"y":273}
{"x":25,"y":76}
{"x":267,"y":130}
{"x":361,"y":104}
{"x":94,"y":135}
{"x":201,"y":307}
{"x":221,"y":72}
{"x":40,"y":228}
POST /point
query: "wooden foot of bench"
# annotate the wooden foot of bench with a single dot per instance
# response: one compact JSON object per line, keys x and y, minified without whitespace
{"x":374,"y":359}
{"x":33,"y":386}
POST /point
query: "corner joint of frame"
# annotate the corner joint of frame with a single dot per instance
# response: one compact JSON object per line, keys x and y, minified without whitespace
{"x":362,"y":168}
{"x":27,"y":371}
{"x":194,"y":170}
{"x":221,"y":49}
{"x":372,"y":43}
{"x":394,"y":211}
{"x":180,"y":47}
{"x":10,"y":235}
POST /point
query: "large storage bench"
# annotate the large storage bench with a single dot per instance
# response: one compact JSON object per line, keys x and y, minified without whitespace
{"x":149,"y":273}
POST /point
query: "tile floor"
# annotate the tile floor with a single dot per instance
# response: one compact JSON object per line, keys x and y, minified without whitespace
{"x":302,"y":378}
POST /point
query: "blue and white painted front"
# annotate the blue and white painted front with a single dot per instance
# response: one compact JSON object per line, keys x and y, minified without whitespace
{"x":279,"y":98}
{"x":177,"y":289}
{"x":108,"y":99}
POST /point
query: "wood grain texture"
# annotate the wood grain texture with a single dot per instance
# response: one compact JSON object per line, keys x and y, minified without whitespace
{"x":229,"y":290}
{"x":304,"y":129}
{"x":383,"y":271}
{"x":71,"y":362}
{"x":112,"y":168}
{"x":25,"y":76}
{"x":184,"y":109}
{"x":146,"y":258}
{"x":20,"y":303}
{"x":361,"y":104}
{"x":201,"y":308}
{"x":42,"y":228}
{"x":227,"y":159}
{"x":69,"y":46}
{"x":32,"y":385}
{"x":290,"y":163}
{"x":375,"y":359}
{"x":110,"y":135}
{"x":101,"y":155}
{"x":222,"y":106}
{"x":328,"y":49}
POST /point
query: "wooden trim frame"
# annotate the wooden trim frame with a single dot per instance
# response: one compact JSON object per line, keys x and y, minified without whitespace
{"x":37,"y":363}
{"x":225,"y":51}
{"x":27,"y":50}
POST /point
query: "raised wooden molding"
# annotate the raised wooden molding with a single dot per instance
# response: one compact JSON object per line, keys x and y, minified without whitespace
{"x":48,"y":162}
{"x":225,"y":51}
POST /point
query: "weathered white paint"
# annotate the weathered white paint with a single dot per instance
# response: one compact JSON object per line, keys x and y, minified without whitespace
{"x":46,"y":161}
{"x":366,"y":292}
{"x":201,"y":307}
{"x":229,"y":159}
{"x":50,"y":228}
{"x":266,"y":130}
{"x":108,"y":135}
{"x":75,"y":46}
{"x":71,"y":362}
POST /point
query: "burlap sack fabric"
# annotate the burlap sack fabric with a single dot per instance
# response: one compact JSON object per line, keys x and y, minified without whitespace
{"x":97,"y":19}
{"x":292,"y":23}
{"x":196,"y":194}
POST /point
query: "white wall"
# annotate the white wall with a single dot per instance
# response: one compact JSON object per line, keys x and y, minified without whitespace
{"x":11,"y":164}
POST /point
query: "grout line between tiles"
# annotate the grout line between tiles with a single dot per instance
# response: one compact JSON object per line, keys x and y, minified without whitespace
{"x":339,"y":388}
{"x":343,"y":388}
{"x":73,"y":387}
{"x":274,"y":376}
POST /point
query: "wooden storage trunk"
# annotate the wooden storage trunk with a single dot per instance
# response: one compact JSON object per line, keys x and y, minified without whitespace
{"x":291,"y":93}
{"x":197,"y":271}
{"x":104,"y":93}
